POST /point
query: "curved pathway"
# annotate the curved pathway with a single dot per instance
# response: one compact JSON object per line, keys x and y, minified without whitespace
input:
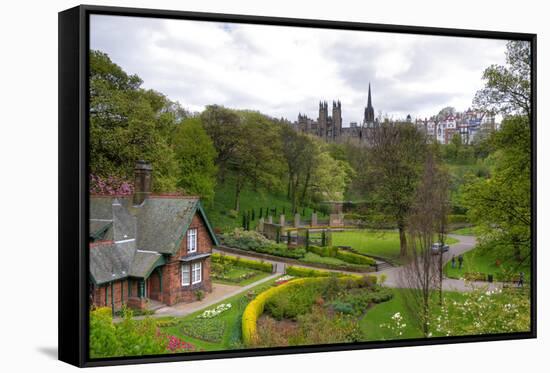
{"x":464,"y":244}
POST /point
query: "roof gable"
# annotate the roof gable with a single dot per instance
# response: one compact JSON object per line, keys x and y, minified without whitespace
{"x":140,"y":233}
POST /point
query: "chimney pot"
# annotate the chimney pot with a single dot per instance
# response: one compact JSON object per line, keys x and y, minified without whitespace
{"x":142,"y":181}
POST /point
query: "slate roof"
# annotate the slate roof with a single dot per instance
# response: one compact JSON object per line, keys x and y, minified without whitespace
{"x":109,"y":261}
{"x":140,"y":235}
{"x":144,"y":262}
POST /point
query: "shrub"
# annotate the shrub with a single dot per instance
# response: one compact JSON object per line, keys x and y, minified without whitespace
{"x":256,"y":307}
{"x":362,"y":280}
{"x":353,"y":258}
{"x":346,"y":256}
{"x":128,"y":337}
{"x":281,"y":299}
{"x":475,"y":276}
{"x":342,"y":307}
{"x":326,"y":251}
{"x":242,"y":262}
{"x":254,"y":241}
{"x":199,"y":294}
{"x":233,"y":214}
{"x":356,"y":301}
{"x":309,"y":272}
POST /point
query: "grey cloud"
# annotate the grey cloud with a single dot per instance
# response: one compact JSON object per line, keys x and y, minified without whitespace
{"x":355,"y":56}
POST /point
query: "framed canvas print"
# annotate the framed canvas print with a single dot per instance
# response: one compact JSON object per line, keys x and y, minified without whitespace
{"x":235,"y":186}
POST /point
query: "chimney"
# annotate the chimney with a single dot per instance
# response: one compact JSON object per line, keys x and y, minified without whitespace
{"x":142,"y":181}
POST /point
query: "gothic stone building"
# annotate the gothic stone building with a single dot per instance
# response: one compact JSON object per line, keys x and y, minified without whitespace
{"x":329,"y":127}
{"x":148,"y":247}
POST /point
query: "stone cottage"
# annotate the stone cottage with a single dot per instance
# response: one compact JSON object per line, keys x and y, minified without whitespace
{"x":148,"y":247}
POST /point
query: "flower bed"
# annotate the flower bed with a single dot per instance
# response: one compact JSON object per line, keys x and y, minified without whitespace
{"x":283,"y":279}
{"x":209,"y":329}
{"x":208,"y":314}
{"x":307,"y":287}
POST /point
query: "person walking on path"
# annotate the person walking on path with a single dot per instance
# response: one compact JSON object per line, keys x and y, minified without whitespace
{"x":453,"y":262}
{"x":460,"y":261}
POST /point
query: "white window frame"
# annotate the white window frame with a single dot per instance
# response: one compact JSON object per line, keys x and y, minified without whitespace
{"x":196,"y":273}
{"x":186,"y":268}
{"x":192,"y":240}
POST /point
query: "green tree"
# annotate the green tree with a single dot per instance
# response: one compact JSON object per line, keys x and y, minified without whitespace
{"x":330,"y":178}
{"x":127,"y":124}
{"x":394,"y":165}
{"x":195,"y":155}
{"x":508,"y":88}
{"x":224,"y":126}
{"x":501,"y":204}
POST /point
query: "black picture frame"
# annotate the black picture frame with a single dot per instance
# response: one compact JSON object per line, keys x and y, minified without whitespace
{"x":73,"y":181}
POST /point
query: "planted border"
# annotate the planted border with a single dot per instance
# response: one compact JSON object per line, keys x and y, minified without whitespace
{"x":256,"y":308}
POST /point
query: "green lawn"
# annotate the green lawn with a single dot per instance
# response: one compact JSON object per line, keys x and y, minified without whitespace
{"x":231,"y":321}
{"x":219,"y":211}
{"x":483,"y":262}
{"x":380,"y":243}
{"x":235,"y":272}
{"x":382,"y":313}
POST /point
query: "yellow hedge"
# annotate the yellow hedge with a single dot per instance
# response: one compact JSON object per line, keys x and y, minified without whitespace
{"x":255,"y":308}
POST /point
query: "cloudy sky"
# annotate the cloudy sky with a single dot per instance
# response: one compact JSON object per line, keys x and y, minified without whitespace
{"x":281,"y":71}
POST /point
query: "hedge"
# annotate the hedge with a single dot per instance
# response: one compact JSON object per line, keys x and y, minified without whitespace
{"x":308,"y":272}
{"x":353,"y":258}
{"x":346,"y":256}
{"x":242,"y":262}
{"x":255,"y":308}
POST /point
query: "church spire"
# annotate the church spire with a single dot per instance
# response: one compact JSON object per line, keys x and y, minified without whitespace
{"x":369,"y":101}
{"x":368,"y":120}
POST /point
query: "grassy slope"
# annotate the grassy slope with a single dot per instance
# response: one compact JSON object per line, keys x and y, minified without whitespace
{"x":477,"y":261}
{"x":382,"y":314}
{"x":232,"y":319}
{"x":379,"y":243}
{"x":224,"y":201}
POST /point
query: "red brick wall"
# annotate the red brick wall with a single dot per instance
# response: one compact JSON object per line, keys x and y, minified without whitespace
{"x":120,"y":290}
{"x":173,"y":292}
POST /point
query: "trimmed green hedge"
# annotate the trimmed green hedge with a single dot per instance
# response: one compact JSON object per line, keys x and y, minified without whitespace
{"x":346,"y":256}
{"x":353,"y":258}
{"x":242,"y":262}
{"x":309,"y":272}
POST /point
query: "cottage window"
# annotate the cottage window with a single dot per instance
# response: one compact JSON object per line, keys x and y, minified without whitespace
{"x":192,"y":240}
{"x":185,"y":275}
{"x":197,"y":272}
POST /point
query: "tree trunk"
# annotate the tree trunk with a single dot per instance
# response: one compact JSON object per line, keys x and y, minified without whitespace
{"x":306,"y":185}
{"x":517,"y":250}
{"x":402,"y":238}
{"x":238,"y":187}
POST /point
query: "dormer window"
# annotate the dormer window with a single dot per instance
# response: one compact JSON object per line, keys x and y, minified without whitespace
{"x":192,"y":240}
